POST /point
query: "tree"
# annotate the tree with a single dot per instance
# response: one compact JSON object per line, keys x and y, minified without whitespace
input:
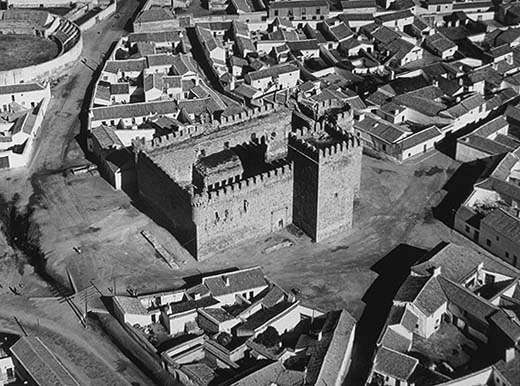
{"x":269,"y":338}
{"x":224,"y":339}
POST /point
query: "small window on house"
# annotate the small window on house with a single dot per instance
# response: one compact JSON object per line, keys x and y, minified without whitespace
{"x":226,"y":145}
{"x":467,"y":229}
{"x":498,"y":238}
{"x":318,"y":11}
{"x":488,"y":242}
{"x":507,"y":254}
{"x":276,"y":12}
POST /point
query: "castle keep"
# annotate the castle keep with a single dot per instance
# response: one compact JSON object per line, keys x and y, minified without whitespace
{"x":218,"y":185}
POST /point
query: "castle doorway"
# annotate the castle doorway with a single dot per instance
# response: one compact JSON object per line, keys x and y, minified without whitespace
{"x":278,"y":219}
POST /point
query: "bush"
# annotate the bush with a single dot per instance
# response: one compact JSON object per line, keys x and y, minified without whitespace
{"x":224,"y":339}
{"x":269,"y":338}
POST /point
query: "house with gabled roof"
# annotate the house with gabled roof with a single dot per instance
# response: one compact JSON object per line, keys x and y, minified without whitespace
{"x":440,"y":45}
{"x":487,"y":140}
{"x":469,"y":289}
{"x":490,"y":214}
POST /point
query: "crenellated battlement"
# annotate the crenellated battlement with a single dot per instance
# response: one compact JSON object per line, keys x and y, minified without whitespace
{"x":300,"y":141}
{"x":247,"y":114}
{"x":305,"y":131}
{"x":300,"y":145}
{"x":186,"y":132}
{"x":181,"y":135}
{"x":243,"y":186}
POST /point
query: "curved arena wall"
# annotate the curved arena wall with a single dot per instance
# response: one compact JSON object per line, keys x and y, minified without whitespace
{"x":47,"y":69}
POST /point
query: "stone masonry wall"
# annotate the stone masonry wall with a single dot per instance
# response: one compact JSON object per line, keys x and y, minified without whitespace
{"x":339,"y":176}
{"x":326,"y":182}
{"x":179,"y":158}
{"x":305,"y":189}
{"x":246,"y":209}
{"x":168,"y":202}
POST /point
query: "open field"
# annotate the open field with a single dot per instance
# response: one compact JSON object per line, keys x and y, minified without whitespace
{"x":25,"y":50}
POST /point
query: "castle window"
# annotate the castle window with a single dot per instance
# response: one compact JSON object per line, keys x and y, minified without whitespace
{"x":336,"y":195}
{"x":246,"y":205}
{"x":226,"y":145}
{"x":226,"y":214}
{"x":217,"y":218}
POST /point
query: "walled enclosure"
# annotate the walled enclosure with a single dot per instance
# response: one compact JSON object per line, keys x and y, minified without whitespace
{"x":164,"y":174}
{"x":69,"y":54}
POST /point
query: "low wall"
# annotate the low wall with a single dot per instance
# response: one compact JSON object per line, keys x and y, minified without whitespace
{"x":36,"y":3}
{"x":17,"y":160}
{"x":102,"y":15}
{"x":43,"y":70}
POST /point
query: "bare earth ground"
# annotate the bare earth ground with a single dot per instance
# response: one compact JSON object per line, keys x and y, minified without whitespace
{"x":88,"y":353}
{"x":83,"y":212}
{"x":25,"y":50}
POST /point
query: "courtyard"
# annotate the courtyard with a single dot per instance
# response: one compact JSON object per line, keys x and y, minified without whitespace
{"x":448,"y":346}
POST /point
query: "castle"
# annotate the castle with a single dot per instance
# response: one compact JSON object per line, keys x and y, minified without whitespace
{"x":251,"y":174}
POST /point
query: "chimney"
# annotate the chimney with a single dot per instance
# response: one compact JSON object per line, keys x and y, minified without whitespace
{"x":436,"y":271}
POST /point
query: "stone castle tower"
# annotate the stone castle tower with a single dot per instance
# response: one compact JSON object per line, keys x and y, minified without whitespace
{"x":327,"y":169}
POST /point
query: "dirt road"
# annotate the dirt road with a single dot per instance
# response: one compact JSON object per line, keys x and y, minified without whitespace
{"x":88,"y":353}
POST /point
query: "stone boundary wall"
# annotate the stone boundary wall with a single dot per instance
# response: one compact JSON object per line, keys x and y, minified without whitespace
{"x":44,"y":70}
{"x":48,"y":3}
{"x":102,"y":15}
